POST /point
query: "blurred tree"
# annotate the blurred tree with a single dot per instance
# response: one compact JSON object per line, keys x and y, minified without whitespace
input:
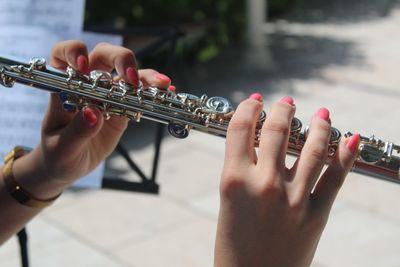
{"x":225,"y":19}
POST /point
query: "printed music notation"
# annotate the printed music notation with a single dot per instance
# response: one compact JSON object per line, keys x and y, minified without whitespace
{"x":61,"y":16}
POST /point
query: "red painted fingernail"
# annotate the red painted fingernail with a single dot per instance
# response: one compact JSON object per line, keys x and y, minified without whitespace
{"x":352,"y":144}
{"x":133,"y":76}
{"x":172,"y":88}
{"x":256,"y":96}
{"x":82,"y":63}
{"x":89,"y":116}
{"x":288,"y":99}
{"x":163,"y":77}
{"x":323,"y":113}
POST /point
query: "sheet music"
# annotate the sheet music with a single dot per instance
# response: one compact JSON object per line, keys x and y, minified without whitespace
{"x":64,"y":17}
{"x":31,"y":28}
{"x":21,"y":107}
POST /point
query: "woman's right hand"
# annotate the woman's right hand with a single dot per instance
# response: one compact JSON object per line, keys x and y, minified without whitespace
{"x":271,"y":215}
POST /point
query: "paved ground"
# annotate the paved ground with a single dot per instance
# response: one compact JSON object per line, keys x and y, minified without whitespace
{"x":348,"y":65}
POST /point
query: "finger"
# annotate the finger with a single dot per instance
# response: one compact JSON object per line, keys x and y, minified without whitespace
{"x":84,"y":126}
{"x":55,"y":117}
{"x":275,"y":134}
{"x":107,"y":57}
{"x":70,"y":53}
{"x":331,"y":181}
{"x":151,"y":77}
{"x":241,"y":131}
{"x":313,"y":155}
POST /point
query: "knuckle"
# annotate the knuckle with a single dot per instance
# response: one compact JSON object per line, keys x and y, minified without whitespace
{"x":70,"y":47}
{"x":325,"y":127}
{"x":67,"y":49}
{"x":231,"y":186}
{"x":271,"y":189}
{"x":146,"y":73}
{"x":322,"y":129}
{"x":283,"y":106}
{"x":240,"y":124}
{"x":101,"y":45}
{"x":318,"y":151}
{"x":248,"y":104}
{"x":126,"y":54}
{"x":283,"y":109}
{"x":76,"y":43}
{"x":277,"y":126}
{"x":232,"y":171}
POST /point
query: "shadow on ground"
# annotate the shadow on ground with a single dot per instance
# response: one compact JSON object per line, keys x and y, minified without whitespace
{"x":241,"y":70}
{"x":338,"y":11}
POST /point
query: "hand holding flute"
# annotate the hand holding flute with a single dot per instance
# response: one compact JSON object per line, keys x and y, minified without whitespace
{"x":73,"y":143}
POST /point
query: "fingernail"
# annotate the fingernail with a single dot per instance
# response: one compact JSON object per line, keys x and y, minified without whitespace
{"x":172,"y":88}
{"x":162,"y":77}
{"x":352,"y":144}
{"x":288,"y":99}
{"x":132,"y":75}
{"x":82,"y":63}
{"x":323,"y":113}
{"x":89,"y":116}
{"x":256,"y":96}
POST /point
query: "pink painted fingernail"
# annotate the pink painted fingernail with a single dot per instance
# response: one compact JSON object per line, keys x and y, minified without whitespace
{"x":162,"y":77}
{"x":256,"y":96}
{"x":323,"y":113}
{"x":132,"y":75}
{"x":82,"y":63}
{"x":172,"y":88}
{"x":352,"y":144}
{"x":89,"y":116}
{"x":288,"y":99}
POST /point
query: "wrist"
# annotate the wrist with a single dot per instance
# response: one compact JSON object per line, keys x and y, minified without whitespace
{"x":30,"y":174}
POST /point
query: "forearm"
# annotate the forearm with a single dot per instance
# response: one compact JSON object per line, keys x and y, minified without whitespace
{"x":28,"y":174}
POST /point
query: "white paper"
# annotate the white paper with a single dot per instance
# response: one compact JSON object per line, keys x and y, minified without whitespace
{"x":64,"y":17}
{"x":31,"y":28}
{"x":21,"y":107}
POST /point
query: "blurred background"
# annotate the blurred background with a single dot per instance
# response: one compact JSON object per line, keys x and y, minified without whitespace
{"x":343,"y":55}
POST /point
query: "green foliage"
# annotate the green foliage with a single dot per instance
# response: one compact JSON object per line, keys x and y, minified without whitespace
{"x":225,"y":19}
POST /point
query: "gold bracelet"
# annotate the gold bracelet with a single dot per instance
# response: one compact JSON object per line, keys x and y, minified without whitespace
{"x":16,"y":190}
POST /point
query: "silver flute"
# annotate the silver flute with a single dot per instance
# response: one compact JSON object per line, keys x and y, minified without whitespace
{"x":182,"y":112}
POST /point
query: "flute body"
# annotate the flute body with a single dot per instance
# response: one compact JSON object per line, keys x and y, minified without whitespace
{"x":182,"y":112}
